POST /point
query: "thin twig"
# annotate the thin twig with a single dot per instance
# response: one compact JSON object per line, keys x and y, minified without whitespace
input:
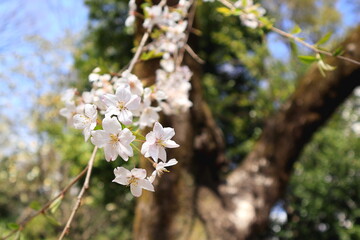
{"x":144,"y":38}
{"x":138,"y":51}
{"x":81,"y":194}
{"x":47,"y":205}
{"x":193,"y":54}
{"x":297,"y":39}
{"x":312,"y":47}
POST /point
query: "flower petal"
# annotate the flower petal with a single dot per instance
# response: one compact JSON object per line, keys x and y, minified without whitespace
{"x":162,"y":154}
{"x":121,"y":171}
{"x":171,"y":144}
{"x":123,"y":94}
{"x":99,"y":138}
{"x":121,"y":180}
{"x":146,"y":184}
{"x":135,"y":190}
{"x":90,"y":110}
{"x":133,"y":103}
{"x":154,"y":152}
{"x":110,"y":152}
{"x":168,"y":133}
{"x":111,"y":125}
{"x":171,"y":162}
{"x":138,"y":173}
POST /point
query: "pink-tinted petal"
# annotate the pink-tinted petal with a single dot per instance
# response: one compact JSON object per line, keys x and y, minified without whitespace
{"x":125,"y":116}
{"x":110,"y":152}
{"x":121,"y":180}
{"x":139,"y":173}
{"x":145,"y":149}
{"x":152,"y":177}
{"x":80,"y":121}
{"x":150,"y":138}
{"x":158,"y":130}
{"x":90,"y":110}
{"x":170,"y":144}
{"x":134,"y":103}
{"x":121,"y":171}
{"x":86,"y":133}
{"x":168,"y":133}
{"x":126,"y":136}
{"x":162,"y":154}
{"x":146,"y":184}
{"x":109,"y":100}
{"x":154,"y":152}
{"x":135,"y":190}
{"x":125,"y":150}
{"x":171,"y":162}
{"x":123,"y":94}
{"x":111,"y":125}
{"x":99,"y":138}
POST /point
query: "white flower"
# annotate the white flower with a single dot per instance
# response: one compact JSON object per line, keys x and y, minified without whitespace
{"x":250,"y":12}
{"x":68,"y":95}
{"x":135,"y":178}
{"x":131,"y":80}
{"x":156,"y":142}
{"x":167,"y":63}
{"x":160,"y":168}
{"x":69,"y":111}
{"x":131,"y":18}
{"x":149,"y":115}
{"x":121,"y":104}
{"x":154,"y":15}
{"x":114,"y":140}
{"x":86,"y":121}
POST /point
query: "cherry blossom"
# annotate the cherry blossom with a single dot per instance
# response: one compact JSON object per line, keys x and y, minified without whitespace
{"x":136,"y":178}
{"x":160,"y":168}
{"x":156,"y":142}
{"x":131,"y":80}
{"x":113,"y":139}
{"x":86,"y":121}
{"x":122,"y":104}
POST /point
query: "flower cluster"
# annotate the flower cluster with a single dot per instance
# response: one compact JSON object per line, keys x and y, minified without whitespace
{"x":169,"y":27}
{"x":119,"y":105}
{"x":108,"y":115}
{"x":249,"y":12}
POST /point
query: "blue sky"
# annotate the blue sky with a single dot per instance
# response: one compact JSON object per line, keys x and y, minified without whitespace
{"x":24,"y":68}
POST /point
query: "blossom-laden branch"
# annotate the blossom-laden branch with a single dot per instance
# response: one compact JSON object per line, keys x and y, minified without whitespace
{"x":127,"y":106}
{"x":48,"y":205}
{"x":251,"y":15}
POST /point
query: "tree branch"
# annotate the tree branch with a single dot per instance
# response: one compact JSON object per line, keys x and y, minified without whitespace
{"x":81,"y":194}
{"x":254,"y":187}
{"x":47,"y":205}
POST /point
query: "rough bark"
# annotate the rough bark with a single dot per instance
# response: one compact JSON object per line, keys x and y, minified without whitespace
{"x":192,"y":202}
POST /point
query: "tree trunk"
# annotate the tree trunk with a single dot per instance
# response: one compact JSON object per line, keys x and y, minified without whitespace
{"x":193,"y":203}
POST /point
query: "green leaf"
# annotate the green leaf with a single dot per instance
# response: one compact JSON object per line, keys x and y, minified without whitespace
{"x":266,"y":22}
{"x":13,"y":226}
{"x":35,"y":205}
{"x":52,"y":220}
{"x":308,"y":59}
{"x":224,"y":10}
{"x":296,"y":30}
{"x":324,"y":39}
{"x":150,"y":55}
{"x":338,"y":51}
{"x":55,"y":204}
